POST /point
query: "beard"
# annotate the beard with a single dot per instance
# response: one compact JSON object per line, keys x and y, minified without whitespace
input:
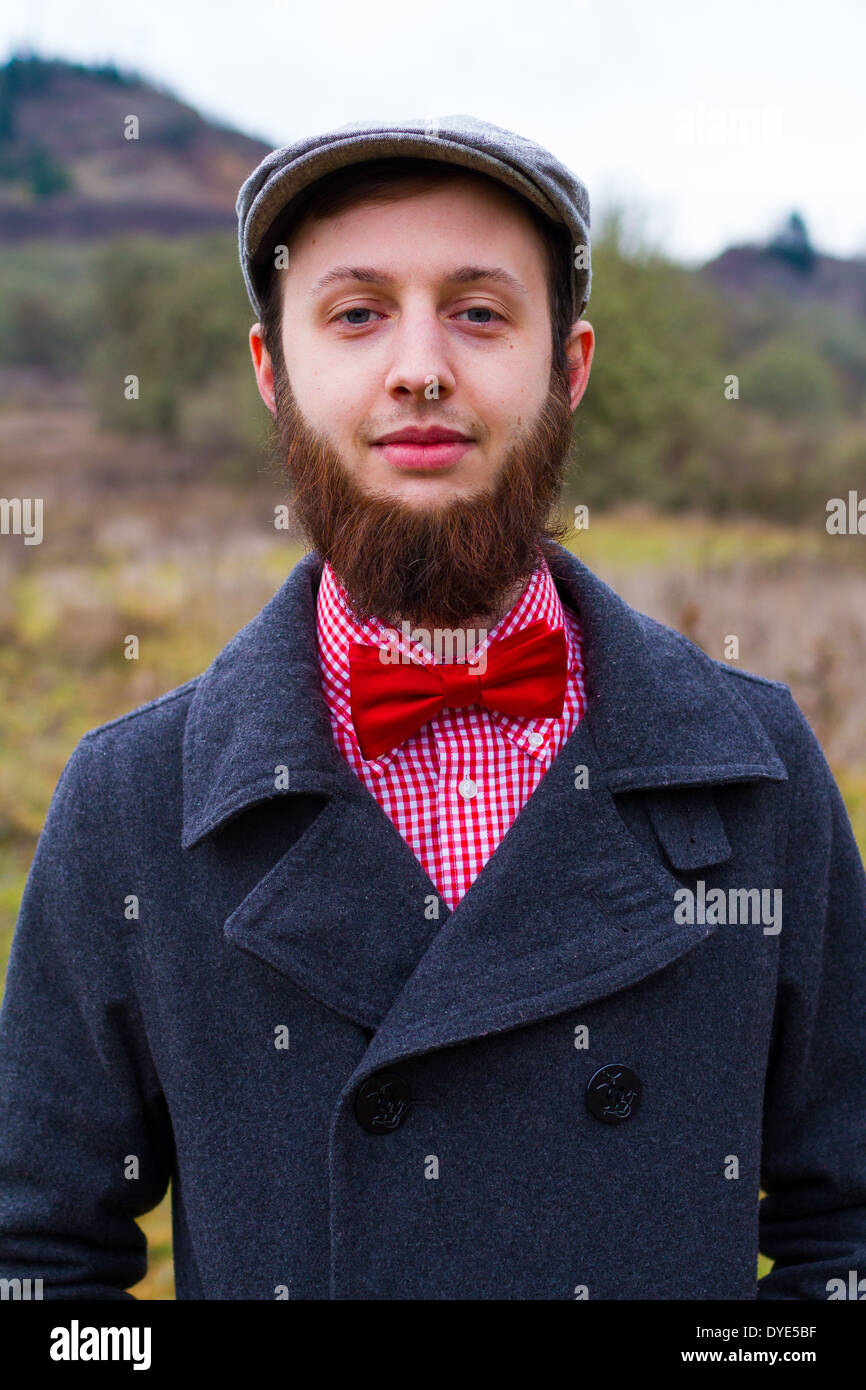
{"x":442,"y":566}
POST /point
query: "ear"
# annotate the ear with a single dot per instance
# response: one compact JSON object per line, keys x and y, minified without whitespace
{"x":579,"y":348}
{"x":263,"y":367}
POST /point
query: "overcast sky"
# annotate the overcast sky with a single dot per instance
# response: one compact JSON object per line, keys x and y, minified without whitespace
{"x":711,"y":120}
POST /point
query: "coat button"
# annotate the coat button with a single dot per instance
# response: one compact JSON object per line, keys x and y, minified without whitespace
{"x":613,"y":1093}
{"x":382,"y":1102}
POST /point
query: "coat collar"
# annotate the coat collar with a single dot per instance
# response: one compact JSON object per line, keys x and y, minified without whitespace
{"x":659,"y":712}
{"x":569,"y":908}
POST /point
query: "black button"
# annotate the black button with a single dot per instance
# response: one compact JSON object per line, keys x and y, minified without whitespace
{"x":382,"y":1103}
{"x":613,"y":1093}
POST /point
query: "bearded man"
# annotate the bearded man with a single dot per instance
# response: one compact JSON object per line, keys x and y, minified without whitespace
{"x":416,"y":1002}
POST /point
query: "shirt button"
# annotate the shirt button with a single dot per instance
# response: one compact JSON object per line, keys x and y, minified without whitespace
{"x":467,"y":788}
{"x":613,"y":1093}
{"x":536,"y":739}
{"x":382,"y":1103}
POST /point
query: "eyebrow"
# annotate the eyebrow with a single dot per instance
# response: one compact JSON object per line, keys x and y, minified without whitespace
{"x":370,"y":275}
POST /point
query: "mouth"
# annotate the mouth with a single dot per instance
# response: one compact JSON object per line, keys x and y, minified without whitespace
{"x":423,"y":449}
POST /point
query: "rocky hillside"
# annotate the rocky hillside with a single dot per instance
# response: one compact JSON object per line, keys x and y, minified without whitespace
{"x":67,"y":168}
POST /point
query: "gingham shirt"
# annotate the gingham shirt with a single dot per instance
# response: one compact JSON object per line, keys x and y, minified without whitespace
{"x":456,"y":785}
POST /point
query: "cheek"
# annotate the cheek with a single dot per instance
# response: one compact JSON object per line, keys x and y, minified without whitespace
{"x":325,"y":394}
{"x":339,"y":416}
{"x":513,"y":390}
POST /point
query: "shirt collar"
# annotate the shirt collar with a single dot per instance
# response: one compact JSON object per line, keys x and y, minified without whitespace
{"x":337,"y":627}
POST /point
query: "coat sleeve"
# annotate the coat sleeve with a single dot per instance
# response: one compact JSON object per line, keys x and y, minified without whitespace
{"x":85,"y":1140}
{"x":813,"y":1218}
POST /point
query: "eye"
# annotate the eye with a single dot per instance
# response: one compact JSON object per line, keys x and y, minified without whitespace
{"x":356,"y":323}
{"x":482,"y":309}
{"x":475,"y":309}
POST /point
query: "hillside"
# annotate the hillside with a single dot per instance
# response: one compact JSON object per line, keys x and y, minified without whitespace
{"x":789,"y":267}
{"x":67,"y":169}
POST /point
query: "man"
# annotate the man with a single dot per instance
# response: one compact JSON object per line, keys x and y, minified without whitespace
{"x":460,"y":932}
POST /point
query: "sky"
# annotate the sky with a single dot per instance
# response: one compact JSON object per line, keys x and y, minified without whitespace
{"x":709,"y":122}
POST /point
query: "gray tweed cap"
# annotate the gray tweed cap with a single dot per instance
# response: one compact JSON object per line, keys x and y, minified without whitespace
{"x":520,"y":164}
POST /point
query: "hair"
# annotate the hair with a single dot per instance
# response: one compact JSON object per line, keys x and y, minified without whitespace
{"x":386,"y":180}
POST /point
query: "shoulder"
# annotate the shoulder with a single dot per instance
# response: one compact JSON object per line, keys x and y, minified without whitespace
{"x":134,"y":760}
{"x":770,"y":702}
{"x":155,"y":725}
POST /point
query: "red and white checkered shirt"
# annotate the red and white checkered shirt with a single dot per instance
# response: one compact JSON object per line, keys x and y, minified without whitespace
{"x":455,"y":786}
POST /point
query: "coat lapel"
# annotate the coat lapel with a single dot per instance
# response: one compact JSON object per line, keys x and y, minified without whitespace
{"x":342,"y":912}
{"x":568,"y":909}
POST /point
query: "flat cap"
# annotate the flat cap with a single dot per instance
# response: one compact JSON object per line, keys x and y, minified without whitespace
{"x":520,"y":164}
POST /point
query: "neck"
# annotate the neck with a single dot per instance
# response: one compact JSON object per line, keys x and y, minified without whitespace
{"x":464,"y":637}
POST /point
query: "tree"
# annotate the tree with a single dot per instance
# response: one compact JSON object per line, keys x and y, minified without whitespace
{"x":792,"y":244}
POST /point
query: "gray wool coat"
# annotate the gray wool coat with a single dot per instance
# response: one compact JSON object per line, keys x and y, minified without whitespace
{"x":230,"y":972}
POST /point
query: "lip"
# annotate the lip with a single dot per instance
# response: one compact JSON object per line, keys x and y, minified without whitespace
{"x":423,"y":434}
{"x":409,"y":455}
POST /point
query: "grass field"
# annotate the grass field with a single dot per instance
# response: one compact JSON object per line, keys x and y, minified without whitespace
{"x":794,"y":599}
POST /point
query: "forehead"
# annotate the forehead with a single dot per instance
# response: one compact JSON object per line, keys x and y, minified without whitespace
{"x":467,"y":219}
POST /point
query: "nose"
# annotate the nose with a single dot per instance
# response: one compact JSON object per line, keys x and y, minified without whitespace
{"x":420,"y":364}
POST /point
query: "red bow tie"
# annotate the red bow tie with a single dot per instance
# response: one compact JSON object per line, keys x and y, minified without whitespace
{"x":526,"y":674}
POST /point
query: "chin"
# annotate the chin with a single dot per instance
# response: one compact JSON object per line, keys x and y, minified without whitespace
{"x":438,"y":495}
